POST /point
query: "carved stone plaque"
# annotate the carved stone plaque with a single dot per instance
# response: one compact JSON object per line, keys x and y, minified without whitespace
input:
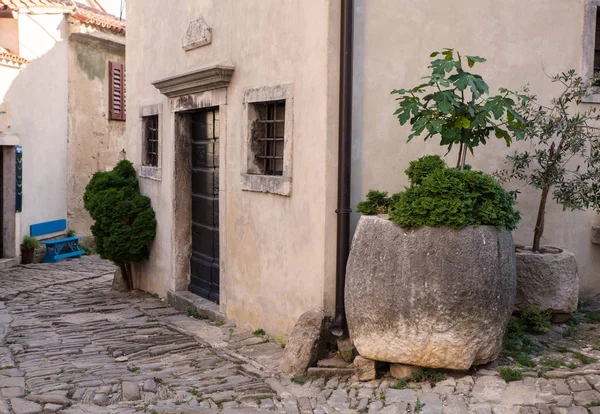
{"x":198,"y":34}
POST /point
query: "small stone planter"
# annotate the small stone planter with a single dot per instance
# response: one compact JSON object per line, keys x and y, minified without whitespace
{"x":547,"y":280}
{"x":431,"y":297}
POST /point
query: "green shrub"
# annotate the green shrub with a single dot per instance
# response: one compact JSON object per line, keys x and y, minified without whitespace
{"x":455,"y":198}
{"x":125,"y":223}
{"x":71,"y":233}
{"x":377,"y":203}
{"x":30,"y":243}
{"x":424,"y":166}
{"x":508,"y":374}
{"x":430,"y":375}
{"x":535,"y":320}
{"x":584,"y":359}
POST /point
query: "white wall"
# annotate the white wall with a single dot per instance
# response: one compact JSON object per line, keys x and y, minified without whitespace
{"x":38,"y":102}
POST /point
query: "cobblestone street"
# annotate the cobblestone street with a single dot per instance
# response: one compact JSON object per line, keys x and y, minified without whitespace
{"x":69,"y":344}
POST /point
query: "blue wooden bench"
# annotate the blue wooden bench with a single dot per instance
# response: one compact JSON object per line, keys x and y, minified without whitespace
{"x":58,"y":248}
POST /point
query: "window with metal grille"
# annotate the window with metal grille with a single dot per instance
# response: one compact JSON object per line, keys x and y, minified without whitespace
{"x":116,"y":91}
{"x":151,"y":140}
{"x":268,"y":136}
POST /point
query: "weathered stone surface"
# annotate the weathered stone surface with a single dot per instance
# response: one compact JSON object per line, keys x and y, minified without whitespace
{"x":20,"y":406}
{"x":547,"y":281}
{"x":198,"y":34}
{"x":404,"y":301}
{"x":365,"y":369}
{"x":51,"y":408}
{"x":403,"y":371}
{"x":346,"y":349}
{"x":131,"y":391}
{"x":306,"y":342}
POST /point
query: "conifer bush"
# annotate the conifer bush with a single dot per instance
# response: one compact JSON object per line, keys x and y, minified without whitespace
{"x":125,"y":222}
{"x":453,"y":198}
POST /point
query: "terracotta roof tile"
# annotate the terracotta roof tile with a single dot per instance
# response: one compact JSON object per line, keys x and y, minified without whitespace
{"x":98,"y":18}
{"x":18,"y":4}
{"x":11,"y":59}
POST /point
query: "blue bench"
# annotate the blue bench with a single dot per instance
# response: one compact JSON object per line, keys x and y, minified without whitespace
{"x":58,"y":248}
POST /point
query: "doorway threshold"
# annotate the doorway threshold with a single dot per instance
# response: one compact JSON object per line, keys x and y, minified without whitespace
{"x":8,"y":262}
{"x":187,"y":301}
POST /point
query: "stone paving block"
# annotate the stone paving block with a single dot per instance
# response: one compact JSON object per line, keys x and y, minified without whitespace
{"x":7,"y":382}
{"x":564,"y":400}
{"x":594,"y":410}
{"x":561,"y":387}
{"x":578,"y":383}
{"x":4,"y":407}
{"x":51,"y":408}
{"x":12,"y":392}
{"x":586,"y":397}
{"x":543,"y":408}
{"x":20,"y":406}
{"x":488,"y":390}
{"x":433,"y":403}
{"x":396,"y":408}
{"x":131,"y":391}
{"x":375,"y":407}
{"x":576,"y":410}
{"x":393,"y":396}
{"x":558,"y":410}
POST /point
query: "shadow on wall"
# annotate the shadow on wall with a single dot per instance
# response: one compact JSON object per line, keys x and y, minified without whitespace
{"x":37,"y":101}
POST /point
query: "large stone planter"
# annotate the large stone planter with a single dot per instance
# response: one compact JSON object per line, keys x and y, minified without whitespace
{"x":432,"y":297}
{"x":548,"y":281}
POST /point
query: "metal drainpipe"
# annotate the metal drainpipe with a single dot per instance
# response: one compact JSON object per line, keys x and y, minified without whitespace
{"x":343,"y":211}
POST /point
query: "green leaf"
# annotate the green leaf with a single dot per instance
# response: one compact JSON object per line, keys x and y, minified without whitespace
{"x":471,"y":60}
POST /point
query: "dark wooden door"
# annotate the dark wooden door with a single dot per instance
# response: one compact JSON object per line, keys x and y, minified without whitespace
{"x":205,"y":205}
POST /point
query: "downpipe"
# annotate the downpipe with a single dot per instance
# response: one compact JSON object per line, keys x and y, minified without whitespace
{"x":338,"y":326}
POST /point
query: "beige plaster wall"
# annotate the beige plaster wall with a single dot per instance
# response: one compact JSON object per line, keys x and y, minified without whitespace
{"x":523,"y":41}
{"x":277,"y":252}
{"x":37,"y":99}
{"x":95,"y":143}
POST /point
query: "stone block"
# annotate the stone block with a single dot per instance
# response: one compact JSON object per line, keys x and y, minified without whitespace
{"x":365,"y":369}
{"x":306,"y":343}
{"x":403,"y":371}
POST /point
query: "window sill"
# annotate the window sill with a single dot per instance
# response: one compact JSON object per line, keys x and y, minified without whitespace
{"x":591,"y":98}
{"x":151,"y":173}
{"x":267,"y":184}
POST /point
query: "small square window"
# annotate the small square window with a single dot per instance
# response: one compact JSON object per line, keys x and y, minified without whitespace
{"x":150,"y":125}
{"x":268,"y":126}
{"x":268,"y":134}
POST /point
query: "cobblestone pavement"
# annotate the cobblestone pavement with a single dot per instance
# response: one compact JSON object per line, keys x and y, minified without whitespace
{"x":69,"y":344}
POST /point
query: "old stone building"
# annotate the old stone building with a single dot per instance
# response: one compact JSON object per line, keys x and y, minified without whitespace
{"x":56,"y":70}
{"x":234,"y":129}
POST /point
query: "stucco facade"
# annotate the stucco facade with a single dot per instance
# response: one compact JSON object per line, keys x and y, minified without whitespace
{"x":95,"y":143}
{"x":56,"y":111}
{"x":277,"y":251}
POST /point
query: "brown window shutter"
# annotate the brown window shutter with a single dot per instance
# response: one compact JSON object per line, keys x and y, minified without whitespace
{"x":116,"y":101}
{"x":124,"y":94}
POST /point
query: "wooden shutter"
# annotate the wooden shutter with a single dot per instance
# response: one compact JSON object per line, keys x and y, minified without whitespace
{"x":116,"y":98}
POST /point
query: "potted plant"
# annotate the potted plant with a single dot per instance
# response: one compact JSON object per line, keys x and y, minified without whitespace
{"x":434,"y":285}
{"x":562,"y":161}
{"x":28,"y":249}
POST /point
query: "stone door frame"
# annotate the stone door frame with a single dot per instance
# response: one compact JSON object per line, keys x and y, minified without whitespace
{"x":201,"y":89}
